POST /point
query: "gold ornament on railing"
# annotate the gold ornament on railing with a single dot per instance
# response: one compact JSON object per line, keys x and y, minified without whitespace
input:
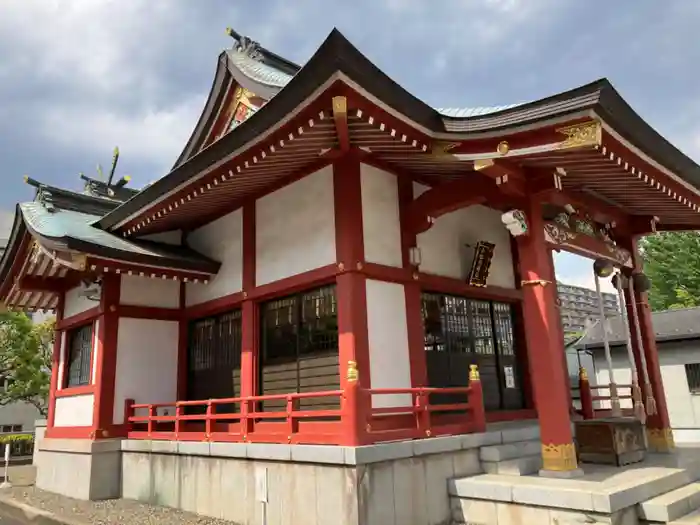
{"x":353,"y":375}
{"x":582,"y":374}
{"x":474,"y":373}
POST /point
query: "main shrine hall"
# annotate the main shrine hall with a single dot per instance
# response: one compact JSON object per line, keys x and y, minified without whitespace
{"x":333,"y":266}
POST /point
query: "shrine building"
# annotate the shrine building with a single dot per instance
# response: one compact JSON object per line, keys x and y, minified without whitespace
{"x":335,"y":276}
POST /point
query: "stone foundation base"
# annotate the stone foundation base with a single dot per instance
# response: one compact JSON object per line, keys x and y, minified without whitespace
{"x":79,"y":468}
{"x":332,"y":484}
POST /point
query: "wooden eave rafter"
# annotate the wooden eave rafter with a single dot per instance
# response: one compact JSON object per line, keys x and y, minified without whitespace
{"x":340,"y":117}
{"x":101,"y":265}
{"x":578,"y":153}
{"x":38,"y":279}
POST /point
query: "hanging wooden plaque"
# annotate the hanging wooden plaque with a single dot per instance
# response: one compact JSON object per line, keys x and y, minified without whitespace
{"x":481,"y":266}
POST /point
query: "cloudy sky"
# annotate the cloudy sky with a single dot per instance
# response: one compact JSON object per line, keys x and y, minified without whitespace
{"x":78,"y":77}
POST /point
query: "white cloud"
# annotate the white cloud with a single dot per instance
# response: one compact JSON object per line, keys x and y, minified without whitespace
{"x":155,"y":135}
{"x":93,"y":43}
{"x":578,"y":271}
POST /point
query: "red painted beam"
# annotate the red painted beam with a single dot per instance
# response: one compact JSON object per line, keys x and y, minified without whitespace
{"x":340,"y":117}
{"x":449,"y":197}
{"x":31,"y":283}
{"x":508,"y":177}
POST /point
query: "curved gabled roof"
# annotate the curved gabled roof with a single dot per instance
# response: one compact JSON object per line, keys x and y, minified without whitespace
{"x":73,"y":230}
{"x":337,"y":58}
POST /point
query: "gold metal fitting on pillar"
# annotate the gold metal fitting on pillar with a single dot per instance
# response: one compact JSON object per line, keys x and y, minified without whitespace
{"x":538,"y":282}
{"x":660,"y":439}
{"x":474,"y":373}
{"x":559,"y":458}
{"x":353,"y":375}
{"x":582,"y":374}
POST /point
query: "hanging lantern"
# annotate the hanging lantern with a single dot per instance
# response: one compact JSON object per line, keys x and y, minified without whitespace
{"x":603,"y":268}
{"x":623,"y":280}
{"x":642,"y":283}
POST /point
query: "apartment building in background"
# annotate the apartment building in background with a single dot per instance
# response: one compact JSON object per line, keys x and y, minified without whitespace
{"x":577,"y":304}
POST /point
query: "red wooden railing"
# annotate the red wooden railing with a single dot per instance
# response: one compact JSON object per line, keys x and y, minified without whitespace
{"x":588,"y":410}
{"x":356,"y":422}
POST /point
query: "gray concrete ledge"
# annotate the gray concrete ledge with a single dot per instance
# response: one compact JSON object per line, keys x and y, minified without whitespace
{"x":40,"y":423}
{"x":79,"y":446}
{"x":333,"y":454}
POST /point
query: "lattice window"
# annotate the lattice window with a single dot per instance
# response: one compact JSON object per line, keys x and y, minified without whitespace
{"x":692,"y":373}
{"x":457,"y":325}
{"x":503,"y":321}
{"x":483,"y":328}
{"x":299,"y":346}
{"x":79,"y":355}
{"x":299,"y":325}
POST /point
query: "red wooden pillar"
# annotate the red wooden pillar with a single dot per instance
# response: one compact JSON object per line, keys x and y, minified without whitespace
{"x":351,"y":294}
{"x":105,"y":372}
{"x":249,"y":321}
{"x":659,"y":432}
{"x":549,"y":376}
{"x":55,"y":363}
{"x":182,"y":342}
{"x":559,"y":329}
{"x":519,"y":331}
{"x":412,"y":291}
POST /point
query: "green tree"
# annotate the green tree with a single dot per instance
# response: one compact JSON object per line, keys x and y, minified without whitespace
{"x":25,"y":360}
{"x":672,"y":262}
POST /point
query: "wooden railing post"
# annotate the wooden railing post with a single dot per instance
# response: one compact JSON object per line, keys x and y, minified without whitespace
{"x":178,"y":414}
{"x":209,"y":421}
{"x":586,"y":396}
{"x":476,"y":399}
{"x":422,"y":413}
{"x":246,"y":421}
{"x":151,"y":415}
{"x":354,"y":416}
{"x":128,"y":414}
{"x":292,"y":423}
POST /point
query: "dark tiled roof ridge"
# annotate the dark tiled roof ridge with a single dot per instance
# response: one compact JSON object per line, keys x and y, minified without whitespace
{"x":669,"y":325}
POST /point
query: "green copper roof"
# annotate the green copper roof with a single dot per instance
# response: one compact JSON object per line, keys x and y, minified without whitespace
{"x":75,"y":230}
{"x":258,"y":71}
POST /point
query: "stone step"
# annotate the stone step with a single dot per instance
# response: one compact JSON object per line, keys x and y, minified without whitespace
{"x":689,"y":519}
{"x":507,"y":451}
{"x":671,"y":505}
{"x":514,"y":467}
{"x":570,"y":494}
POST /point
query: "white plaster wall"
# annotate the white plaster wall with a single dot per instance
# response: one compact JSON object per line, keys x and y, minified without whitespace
{"x":388,"y":342}
{"x":622,"y":375}
{"x":172,"y":237}
{"x":144,"y":291}
{"x":221,"y":240}
{"x":62,"y":359}
{"x":75,"y":304}
{"x":683,"y":406}
{"x":147,"y":353}
{"x":380,"y":216}
{"x":443,"y":250}
{"x":295,"y":228}
{"x":74,"y":411}
{"x":95,"y":351}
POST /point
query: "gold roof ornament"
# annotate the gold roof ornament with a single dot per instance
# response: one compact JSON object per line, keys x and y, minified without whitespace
{"x":442,"y":148}
{"x":582,"y":135}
